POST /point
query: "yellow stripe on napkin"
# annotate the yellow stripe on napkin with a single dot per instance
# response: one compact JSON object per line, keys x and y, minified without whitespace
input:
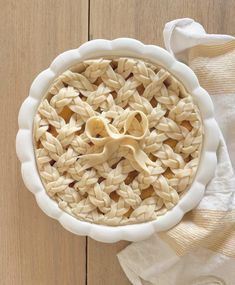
{"x":211,"y":229}
{"x":214,"y":66}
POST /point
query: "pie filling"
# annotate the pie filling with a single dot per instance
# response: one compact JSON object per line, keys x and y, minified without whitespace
{"x":117,"y":141}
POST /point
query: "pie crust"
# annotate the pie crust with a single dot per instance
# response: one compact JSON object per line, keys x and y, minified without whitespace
{"x":117,"y":140}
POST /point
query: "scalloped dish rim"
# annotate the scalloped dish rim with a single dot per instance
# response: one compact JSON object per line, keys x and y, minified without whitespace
{"x":118,"y":47}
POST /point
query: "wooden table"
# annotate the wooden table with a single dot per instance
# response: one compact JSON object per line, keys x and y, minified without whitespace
{"x":36,"y":250}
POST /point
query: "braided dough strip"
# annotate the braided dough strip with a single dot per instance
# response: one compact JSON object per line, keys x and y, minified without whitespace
{"x":138,"y":110}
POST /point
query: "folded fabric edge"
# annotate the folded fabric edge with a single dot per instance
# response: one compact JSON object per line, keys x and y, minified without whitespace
{"x":130,"y":273}
{"x":183,"y":34}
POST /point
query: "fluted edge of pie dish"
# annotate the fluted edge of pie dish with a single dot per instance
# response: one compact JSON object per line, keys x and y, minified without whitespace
{"x":119,"y":47}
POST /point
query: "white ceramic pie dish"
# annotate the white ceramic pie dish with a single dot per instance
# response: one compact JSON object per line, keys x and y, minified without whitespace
{"x":119,"y":47}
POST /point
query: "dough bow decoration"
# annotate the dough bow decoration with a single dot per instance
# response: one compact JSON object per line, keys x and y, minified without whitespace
{"x":101,"y":133}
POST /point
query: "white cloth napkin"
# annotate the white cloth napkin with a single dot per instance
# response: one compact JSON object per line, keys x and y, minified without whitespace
{"x":202,"y":260}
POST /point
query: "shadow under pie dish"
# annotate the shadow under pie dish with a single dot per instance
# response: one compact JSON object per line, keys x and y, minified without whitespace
{"x":118,"y":137}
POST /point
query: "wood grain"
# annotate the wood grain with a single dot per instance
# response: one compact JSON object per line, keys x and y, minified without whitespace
{"x":144,"y":20}
{"x":103,"y":266}
{"x":35,"y":250}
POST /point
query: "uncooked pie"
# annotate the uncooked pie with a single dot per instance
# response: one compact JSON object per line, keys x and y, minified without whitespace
{"x":117,"y":140}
